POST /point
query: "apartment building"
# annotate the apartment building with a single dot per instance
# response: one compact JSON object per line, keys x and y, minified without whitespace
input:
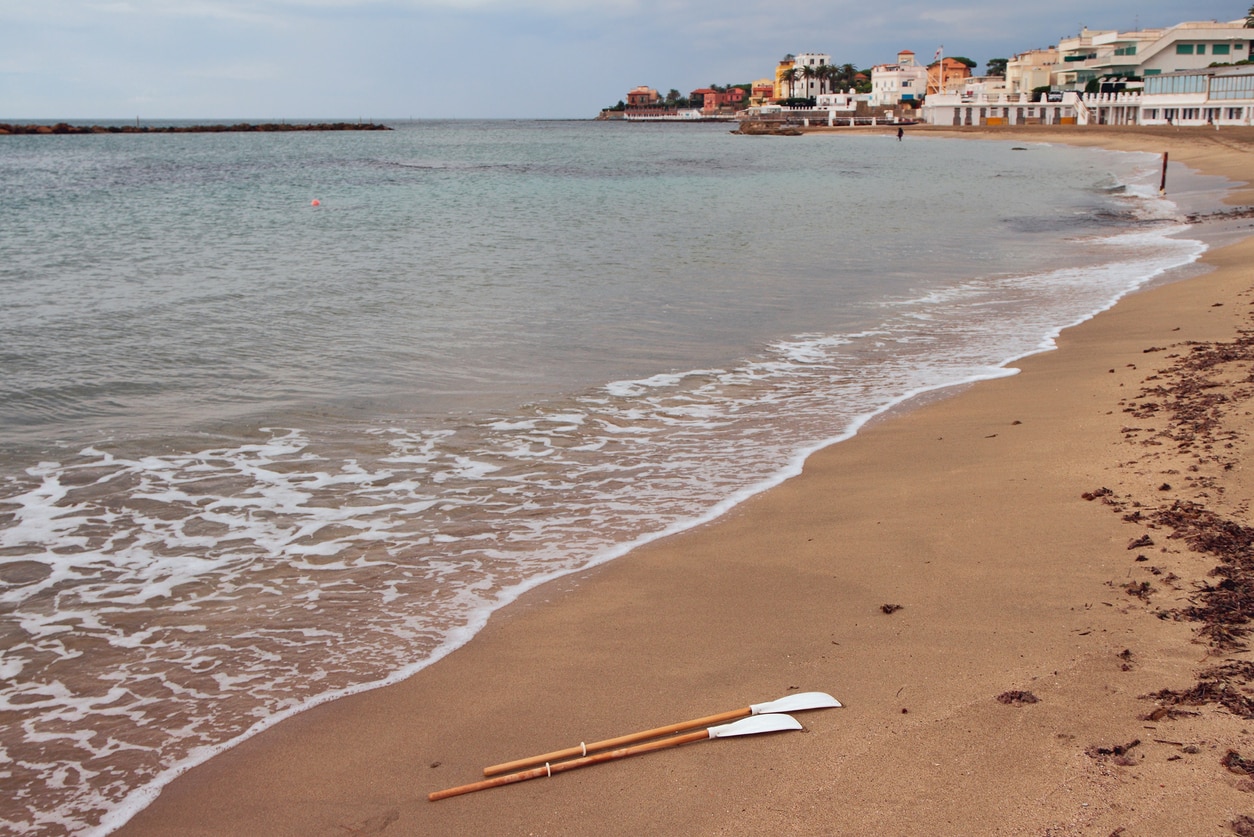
{"x":1029,"y":70}
{"x":903,"y":81}
{"x":1148,"y":52}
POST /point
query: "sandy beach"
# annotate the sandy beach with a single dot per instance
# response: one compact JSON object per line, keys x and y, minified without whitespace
{"x":1011,"y":589}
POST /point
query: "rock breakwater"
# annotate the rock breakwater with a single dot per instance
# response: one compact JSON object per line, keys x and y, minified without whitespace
{"x":242,"y":127}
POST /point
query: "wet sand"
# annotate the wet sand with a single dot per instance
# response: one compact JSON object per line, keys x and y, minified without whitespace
{"x":1006,"y":522}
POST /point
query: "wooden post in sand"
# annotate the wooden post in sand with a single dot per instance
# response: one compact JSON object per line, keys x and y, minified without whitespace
{"x":1162,"y":183}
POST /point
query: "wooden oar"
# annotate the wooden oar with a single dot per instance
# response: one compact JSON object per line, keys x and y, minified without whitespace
{"x":790,"y":703}
{"x":749,"y":726}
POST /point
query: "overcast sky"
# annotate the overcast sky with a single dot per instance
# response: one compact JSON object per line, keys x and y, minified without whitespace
{"x":395,"y":59}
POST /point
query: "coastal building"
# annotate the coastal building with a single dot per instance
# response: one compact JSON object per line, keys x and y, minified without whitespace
{"x":1031,"y":70}
{"x":1093,"y":55}
{"x":1209,"y":97}
{"x":802,"y":76}
{"x":848,"y":100}
{"x":643,"y":97}
{"x":643,"y":104}
{"x":720,"y":101}
{"x":839,"y":103}
{"x":657,"y":114}
{"x":812,"y":80}
{"x":761,"y":92}
{"x":988,"y":86}
{"x":783,"y":77}
{"x":946,"y":74}
{"x":1212,"y":96}
{"x":984,"y":107}
{"x":903,"y":81}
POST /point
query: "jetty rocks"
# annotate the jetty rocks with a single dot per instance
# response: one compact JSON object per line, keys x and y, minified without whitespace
{"x":764,"y":128}
{"x":265,"y":127}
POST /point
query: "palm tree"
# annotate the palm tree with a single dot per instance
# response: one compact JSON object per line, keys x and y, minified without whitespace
{"x":829,"y":78}
{"x":808,"y":74}
{"x":849,"y":73}
{"x":791,"y":75}
{"x":1249,"y":18}
{"x":833,"y":78}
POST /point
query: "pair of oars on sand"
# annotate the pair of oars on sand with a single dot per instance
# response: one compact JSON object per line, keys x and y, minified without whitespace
{"x":758,"y":718}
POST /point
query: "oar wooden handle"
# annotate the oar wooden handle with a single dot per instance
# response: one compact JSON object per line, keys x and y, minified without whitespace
{"x":584,"y":749}
{"x":549,"y":769}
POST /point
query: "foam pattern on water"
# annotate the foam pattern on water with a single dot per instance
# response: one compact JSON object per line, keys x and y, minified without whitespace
{"x":157,"y":607}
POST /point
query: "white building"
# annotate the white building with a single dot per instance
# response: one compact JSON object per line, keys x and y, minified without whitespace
{"x":839,"y":102}
{"x":803,"y":87}
{"x":988,"y":86}
{"x":1149,"y":52}
{"x":978,"y":107}
{"x":892,"y":84}
{"x":1215,"y":96}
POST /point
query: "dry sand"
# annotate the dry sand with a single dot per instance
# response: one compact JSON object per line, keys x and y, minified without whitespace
{"x":969,"y":513}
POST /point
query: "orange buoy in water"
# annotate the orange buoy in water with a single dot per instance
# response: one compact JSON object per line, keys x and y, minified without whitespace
{"x":315,"y":202}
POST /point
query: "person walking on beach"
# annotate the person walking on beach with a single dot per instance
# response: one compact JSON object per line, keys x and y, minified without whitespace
{"x":900,"y":132}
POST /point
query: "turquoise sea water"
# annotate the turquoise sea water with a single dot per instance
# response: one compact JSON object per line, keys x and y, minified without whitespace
{"x":256,"y":453}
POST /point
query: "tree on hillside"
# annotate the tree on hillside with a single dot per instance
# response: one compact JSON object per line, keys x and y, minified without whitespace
{"x":675,"y":99}
{"x":997,"y":67}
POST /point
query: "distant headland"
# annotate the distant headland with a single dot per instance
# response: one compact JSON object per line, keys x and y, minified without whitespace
{"x":242,"y":127}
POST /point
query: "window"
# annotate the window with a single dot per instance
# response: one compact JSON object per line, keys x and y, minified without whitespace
{"x":1232,"y":87}
{"x":1184,"y":49}
{"x":1176,"y":84}
{"x":1152,"y":72}
{"x":1201,"y":49}
{"x":1219,"y":49}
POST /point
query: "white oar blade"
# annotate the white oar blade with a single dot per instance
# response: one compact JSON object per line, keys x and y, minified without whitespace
{"x":796,"y":703}
{"x":755,"y":724}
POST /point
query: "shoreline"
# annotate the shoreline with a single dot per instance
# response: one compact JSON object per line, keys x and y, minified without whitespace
{"x":1215,"y":152}
{"x":757,"y":657}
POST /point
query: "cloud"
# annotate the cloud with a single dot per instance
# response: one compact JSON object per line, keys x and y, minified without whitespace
{"x":448,"y":58}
